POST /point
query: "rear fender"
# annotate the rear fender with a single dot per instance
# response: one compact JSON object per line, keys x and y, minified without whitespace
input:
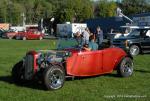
{"x":117,"y":64}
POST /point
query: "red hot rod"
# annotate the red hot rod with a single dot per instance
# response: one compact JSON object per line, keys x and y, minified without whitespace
{"x":53,"y":66}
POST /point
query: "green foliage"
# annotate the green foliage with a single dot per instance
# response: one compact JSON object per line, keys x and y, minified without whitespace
{"x":64,"y":10}
{"x":134,"y":6}
{"x":106,"y":9}
{"x":16,"y":13}
{"x":77,"y":9}
{"x":3,"y":11}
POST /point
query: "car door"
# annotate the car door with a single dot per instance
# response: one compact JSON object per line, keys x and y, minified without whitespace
{"x":85,"y":63}
{"x":145,"y":41}
{"x":30,"y":35}
{"x":36,"y":35}
{"x":33,"y":35}
{"x":109,"y":57}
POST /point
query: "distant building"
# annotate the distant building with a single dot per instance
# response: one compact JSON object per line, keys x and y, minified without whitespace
{"x":4,"y":26}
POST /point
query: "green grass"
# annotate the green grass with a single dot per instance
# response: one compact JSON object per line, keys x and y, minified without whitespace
{"x":101,"y":88}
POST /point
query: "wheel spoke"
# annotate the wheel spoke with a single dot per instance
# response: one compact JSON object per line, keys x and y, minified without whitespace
{"x":126,"y":67}
{"x":55,"y":79}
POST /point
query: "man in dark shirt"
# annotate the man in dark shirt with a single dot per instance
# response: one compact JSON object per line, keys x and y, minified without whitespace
{"x":99,"y":36}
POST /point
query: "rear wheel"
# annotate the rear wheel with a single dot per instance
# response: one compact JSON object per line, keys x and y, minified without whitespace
{"x":134,"y":50}
{"x":24,"y":38}
{"x":125,"y":68}
{"x":54,"y":77}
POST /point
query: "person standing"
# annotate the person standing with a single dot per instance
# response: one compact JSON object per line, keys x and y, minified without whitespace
{"x":86,"y":36}
{"x":111,"y":35}
{"x":99,"y":36}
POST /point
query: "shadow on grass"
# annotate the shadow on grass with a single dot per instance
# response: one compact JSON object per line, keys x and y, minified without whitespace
{"x":91,"y":77}
{"x":148,"y":53}
{"x":38,"y":85}
{"x":7,"y":79}
{"x":28,"y":84}
{"x":142,"y":71}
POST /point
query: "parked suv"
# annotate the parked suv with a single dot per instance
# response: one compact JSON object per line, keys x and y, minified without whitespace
{"x":138,"y":41}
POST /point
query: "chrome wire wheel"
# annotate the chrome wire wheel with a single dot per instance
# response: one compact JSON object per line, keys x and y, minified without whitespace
{"x":134,"y":50}
{"x":54,"y":77}
{"x":126,"y":67}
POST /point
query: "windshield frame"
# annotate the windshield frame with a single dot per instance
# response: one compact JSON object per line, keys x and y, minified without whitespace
{"x":67,"y":43}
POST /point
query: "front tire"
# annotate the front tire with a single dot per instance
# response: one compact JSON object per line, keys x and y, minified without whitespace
{"x":134,"y":50}
{"x":125,"y":68}
{"x":40,"y":38}
{"x":54,"y":77}
{"x":17,"y":72}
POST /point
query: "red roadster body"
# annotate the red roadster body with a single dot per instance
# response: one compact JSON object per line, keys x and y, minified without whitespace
{"x":89,"y":63}
{"x":55,"y":65}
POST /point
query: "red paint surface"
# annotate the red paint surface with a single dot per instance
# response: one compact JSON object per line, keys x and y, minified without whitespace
{"x":30,"y":35}
{"x":11,"y":34}
{"x":90,"y":63}
{"x":35,"y":56}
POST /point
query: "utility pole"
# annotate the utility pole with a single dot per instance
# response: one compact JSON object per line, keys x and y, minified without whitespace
{"x":10,"y":11}
{"x":23,"y":20}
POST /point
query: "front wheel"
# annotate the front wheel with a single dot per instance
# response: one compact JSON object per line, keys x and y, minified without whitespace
{"x":17,"y":72}
{"x":24,"y":38}
{"x":9,"y":37}
{"x":54,"y":77}
{"x":125,"y":68}
{"x":134,"y":50}
{"x":40,"y":38}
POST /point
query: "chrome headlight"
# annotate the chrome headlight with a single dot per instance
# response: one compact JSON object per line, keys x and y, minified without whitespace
{"x":68,"y":54}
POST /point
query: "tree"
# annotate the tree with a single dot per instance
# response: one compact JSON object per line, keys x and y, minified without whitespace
{"x":16,"y":12}
{"x":34,"y":10}
{"x":38,"y":11}
{"x":75,"y":9}
{"x":3,"y":11}
{"x":134,"y":6}
{"x":28,"y":10}
{"x":106,"y":8}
